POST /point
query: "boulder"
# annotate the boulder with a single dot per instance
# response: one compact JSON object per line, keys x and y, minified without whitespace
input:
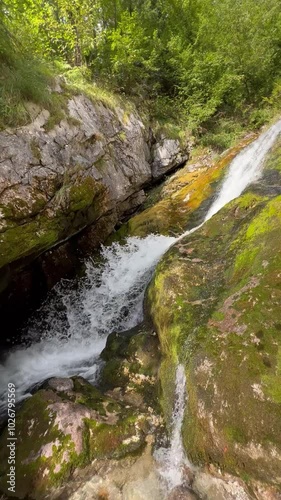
{"x":215,"y":302}
{"x":66,"y":425}
{"x":130,"y":372}
{"x":167,"y":154}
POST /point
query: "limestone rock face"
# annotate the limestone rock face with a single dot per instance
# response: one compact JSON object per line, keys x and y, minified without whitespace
{"x":56,"y":181}
{"x":182,"y":201}
{"x":215,"y":302}
{"x":167,"y":154}
{"x":53,"y":183}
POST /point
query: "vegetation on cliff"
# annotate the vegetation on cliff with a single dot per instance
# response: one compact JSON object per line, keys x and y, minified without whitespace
{"x":209,"y":68}
{"x":214,"y":67}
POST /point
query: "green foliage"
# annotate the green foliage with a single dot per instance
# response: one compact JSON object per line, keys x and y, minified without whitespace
{"x":198,"y":59}
{"x":23,"y":80}
{"x":221,"y":134}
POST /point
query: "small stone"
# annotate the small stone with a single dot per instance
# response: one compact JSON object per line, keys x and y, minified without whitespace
{"x":61,"y":384}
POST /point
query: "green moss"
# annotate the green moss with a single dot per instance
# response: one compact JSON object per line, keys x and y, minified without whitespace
{"x":46,"y":456}
{"x":273,"y":160}
{"x":82,"y":194}
{"x":268,"y":219}
{"x":218,"y":316}
{"x":19,"y":241}
{"x":258,"y":232}
{"x":116,"y":441}
{"x":101,"y":164}
{"x":42,"y":231}
{"x":122,"y":136}
{"x":215,"y":302}
{"x":249,"y":200}
{"x":235,"y":434}
{"x":272,"y":380}
{"x":36,"y":420}
{"x":113,"y":375}
{"x":182,"y":201}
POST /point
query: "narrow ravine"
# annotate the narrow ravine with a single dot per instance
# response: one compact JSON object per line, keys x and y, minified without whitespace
{"x":67,"y":334}
{"x":65,"y":337}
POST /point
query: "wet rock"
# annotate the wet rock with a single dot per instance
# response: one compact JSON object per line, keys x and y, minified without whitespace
{"x":131,"y":368}
{"x":143,"y":488}
{"x":66,"y":425}
{"x":214,"y":488}
{"x":182,"y":202}
{"x":130,"y":478}
{"x":182,"y":493}
{"x":215,"y":302}
{"x":61,"y":384}
{"x":92,"y":236}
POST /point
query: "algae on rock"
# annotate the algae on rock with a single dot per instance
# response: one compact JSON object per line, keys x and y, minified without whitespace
{"x":215,"y":302}
{"x":183,"y":200}
{"x":67,"y":424}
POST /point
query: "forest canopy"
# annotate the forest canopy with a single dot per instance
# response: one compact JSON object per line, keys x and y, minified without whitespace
{"x":203,"y":57}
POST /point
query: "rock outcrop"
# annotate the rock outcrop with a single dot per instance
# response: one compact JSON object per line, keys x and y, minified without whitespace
{"x":215,"y":302}
{"x":53,"y":183}
{"x":167,"y":153}
{"x":183,"y":200}
{"x":68,"y":424}
{"x":88,"y":171}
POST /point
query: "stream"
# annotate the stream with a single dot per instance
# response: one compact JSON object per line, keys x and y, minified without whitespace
{"x":67,"y":334}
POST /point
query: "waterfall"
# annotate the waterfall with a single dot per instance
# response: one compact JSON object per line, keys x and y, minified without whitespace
{"x":68,"y":333}
{"x":172,"y":459}
{"x":245,"y":168}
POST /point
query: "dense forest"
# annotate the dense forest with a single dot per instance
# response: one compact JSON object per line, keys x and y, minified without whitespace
{"x":199,"y":61}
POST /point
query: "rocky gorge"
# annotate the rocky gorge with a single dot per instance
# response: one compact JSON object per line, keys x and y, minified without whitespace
{"x":102,"y":378}
{"x":87,"y":171}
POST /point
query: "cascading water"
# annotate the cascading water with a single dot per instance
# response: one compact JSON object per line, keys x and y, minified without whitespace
{"x":69,"y":332}
{"x":245,"y":169}
{"x":172,"y":459}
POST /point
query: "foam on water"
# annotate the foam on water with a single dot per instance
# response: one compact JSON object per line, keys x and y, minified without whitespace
{"x":172,"y":459}
{"x":69,"y":332}
{"x":67,"y":335}
{"x":245,"y":169}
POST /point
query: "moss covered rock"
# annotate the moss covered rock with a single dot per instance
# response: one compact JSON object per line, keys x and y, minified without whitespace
{"x":67,"y":424}
{"x":215,"y":301}
{"x":184,"y":199}
{"x":131,"y":367}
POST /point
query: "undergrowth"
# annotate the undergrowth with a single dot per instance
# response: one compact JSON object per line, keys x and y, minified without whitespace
{"x":23,"y":79}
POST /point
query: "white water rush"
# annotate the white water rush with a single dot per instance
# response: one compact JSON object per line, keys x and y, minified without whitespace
{"x":172,"y":459}
{"x":68,"y":333}
{"x":245,"y":169}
